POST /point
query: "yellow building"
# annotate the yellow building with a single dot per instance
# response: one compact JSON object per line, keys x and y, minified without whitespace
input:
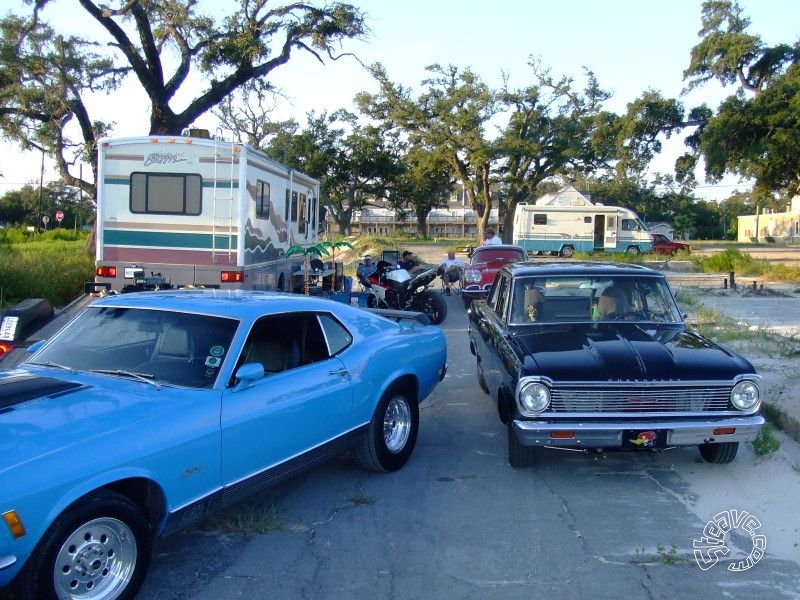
{"x":783,"y":227}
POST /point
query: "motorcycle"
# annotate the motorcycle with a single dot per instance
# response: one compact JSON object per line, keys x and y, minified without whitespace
{"x":395,"y":288}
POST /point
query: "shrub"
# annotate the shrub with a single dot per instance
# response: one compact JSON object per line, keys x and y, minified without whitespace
{"x":55,"y":270}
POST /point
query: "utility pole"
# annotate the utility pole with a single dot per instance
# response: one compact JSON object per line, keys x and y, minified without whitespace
{"x":41,"y":183}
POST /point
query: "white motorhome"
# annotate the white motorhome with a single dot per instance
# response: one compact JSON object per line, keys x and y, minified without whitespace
{"x":579,"y":227}
{"x":195,"y":211}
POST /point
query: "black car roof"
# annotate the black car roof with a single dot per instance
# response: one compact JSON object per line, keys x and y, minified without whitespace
{"x":536,"y":268}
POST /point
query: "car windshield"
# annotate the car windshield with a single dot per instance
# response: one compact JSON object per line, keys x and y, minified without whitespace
{"x":162,"y":346}
{"x":557,"y":299}
{"x":493,"y":255}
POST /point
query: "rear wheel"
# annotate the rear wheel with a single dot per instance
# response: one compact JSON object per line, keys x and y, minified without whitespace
{"x":720,"y":454}
{"x":433,"y":305}
{"x":98,"y":548}
{"x":392,"y":433}
{"x":519,"y":456}
{"x":633,"y":250}
{"x":482,"y":381}
{"x":567,"y":251}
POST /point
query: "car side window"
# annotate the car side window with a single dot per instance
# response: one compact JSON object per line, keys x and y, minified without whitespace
{"x":498,"y":299}
{"x":337,"y":337}
{"x":284,"y":342}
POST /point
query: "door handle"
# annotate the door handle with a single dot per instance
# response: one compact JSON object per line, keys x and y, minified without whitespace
{"x":342,"y":372}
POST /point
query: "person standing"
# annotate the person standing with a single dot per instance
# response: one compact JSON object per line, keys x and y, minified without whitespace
{"x":491,"y":238}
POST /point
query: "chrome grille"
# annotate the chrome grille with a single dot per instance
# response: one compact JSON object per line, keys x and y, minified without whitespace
{"x":626,"y":399}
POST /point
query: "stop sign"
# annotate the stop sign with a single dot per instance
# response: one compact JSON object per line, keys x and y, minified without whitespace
{"x":59,"y":216}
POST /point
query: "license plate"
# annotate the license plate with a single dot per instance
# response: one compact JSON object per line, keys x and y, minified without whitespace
{"x":649,"y":438}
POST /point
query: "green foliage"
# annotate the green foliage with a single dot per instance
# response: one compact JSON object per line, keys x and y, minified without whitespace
{"x":730,"y":259}
{"x":15,"y":235}
{"x":617,"y":257}
{"x":746,"y":129}
{"x":668,"y":557}
{"x":55,"y":270}
{"x":766,"y":442}
{"x":245,"y":518}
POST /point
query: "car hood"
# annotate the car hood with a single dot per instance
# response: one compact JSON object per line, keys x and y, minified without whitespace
{"x":46,"y":414}
{"x":622,"y":351}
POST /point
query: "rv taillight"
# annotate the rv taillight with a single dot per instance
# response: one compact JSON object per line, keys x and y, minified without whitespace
{"x":5,"y":348}
{"x":105,"y":271}
{"x":231,"y":277}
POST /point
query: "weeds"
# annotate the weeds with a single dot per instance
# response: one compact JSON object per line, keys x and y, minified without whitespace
{"x":361,"y":500}
{"x":668,"y":557}
{"x":766,"y":442}
{"x":244,"y":518}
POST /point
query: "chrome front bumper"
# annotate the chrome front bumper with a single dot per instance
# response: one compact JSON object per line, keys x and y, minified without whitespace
{"x":609,"y":434}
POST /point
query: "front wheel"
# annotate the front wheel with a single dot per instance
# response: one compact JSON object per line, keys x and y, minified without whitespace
{"x":567,"y":251}
{"x":433,"y":305}
{"x":392,"y":433}
{"x":98,"y":548}
{"x":720,"y":454}
{"x":633,"y":250}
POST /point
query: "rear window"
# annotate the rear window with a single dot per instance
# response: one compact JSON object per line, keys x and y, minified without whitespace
{"x":166,"y":193}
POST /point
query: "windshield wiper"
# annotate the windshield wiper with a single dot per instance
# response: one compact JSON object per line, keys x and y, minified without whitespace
{"x":145,"y":377}
{"x":54,"y":365}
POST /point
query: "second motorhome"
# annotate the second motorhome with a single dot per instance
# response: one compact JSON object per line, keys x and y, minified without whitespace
{"x":564,"y":230}
{"x":194,"y":211}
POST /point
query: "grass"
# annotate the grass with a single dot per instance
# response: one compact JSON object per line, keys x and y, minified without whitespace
{"x":245,"y":518}
{"x":51,"y":269}
{"x":766,"y":442}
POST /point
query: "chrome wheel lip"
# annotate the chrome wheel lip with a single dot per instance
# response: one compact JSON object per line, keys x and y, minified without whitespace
{"x":396,"y":424}
{"x":96,"y":561}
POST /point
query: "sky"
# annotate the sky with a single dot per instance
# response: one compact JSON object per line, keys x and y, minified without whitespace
{"x":630,"y":45}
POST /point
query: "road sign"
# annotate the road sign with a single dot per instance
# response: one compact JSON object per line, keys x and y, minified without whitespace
{"x":59,"y":216}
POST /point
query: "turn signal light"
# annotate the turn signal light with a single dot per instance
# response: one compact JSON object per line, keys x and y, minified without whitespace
{"x":725,"y":431}
{"x":14,"y":524}
{"x":5,"y":348}
{"x":105,"y":271}
{"x":562,"y":435}
{"x":231,"y":277}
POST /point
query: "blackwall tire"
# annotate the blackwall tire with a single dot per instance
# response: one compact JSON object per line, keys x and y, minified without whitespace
{"x":392,"y":433}
{"x":482,"y":382}
{"x":432,"y":304}
{"x":98,"y":548}
{"x":720,"y":454}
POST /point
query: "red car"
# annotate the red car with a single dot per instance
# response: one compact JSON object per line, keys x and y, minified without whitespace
{"x":663,"y":245}
{"x":485,"y":262}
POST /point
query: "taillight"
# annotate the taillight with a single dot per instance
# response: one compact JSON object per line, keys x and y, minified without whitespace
{"x":231,"y":277}
{"x":105,"y":271}
{"x":5,"y":348}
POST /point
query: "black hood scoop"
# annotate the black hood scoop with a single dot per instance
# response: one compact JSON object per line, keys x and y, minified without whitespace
{"x":21,"y":389}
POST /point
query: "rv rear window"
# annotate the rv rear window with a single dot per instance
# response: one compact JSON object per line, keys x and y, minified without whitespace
{"x":539,"y":218}
{"x":166,"y":193}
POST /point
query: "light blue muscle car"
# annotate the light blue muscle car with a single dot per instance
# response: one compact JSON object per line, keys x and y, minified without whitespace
{"x":152,"y":410}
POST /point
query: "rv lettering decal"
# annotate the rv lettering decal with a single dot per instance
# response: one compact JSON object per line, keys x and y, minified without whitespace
{"x":164,"y":158}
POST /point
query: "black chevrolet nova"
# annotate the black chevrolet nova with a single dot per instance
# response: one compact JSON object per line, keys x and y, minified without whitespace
{"x":591,"y":355}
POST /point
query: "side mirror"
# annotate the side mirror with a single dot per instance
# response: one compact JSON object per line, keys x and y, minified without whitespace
{"x":36,"y":346}
{"x":247,"y":374}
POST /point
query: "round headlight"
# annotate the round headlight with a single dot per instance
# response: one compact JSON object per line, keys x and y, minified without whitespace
{"x":533,"y":398}
{"x":745,"y":395}
{"x":472,"y":276}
